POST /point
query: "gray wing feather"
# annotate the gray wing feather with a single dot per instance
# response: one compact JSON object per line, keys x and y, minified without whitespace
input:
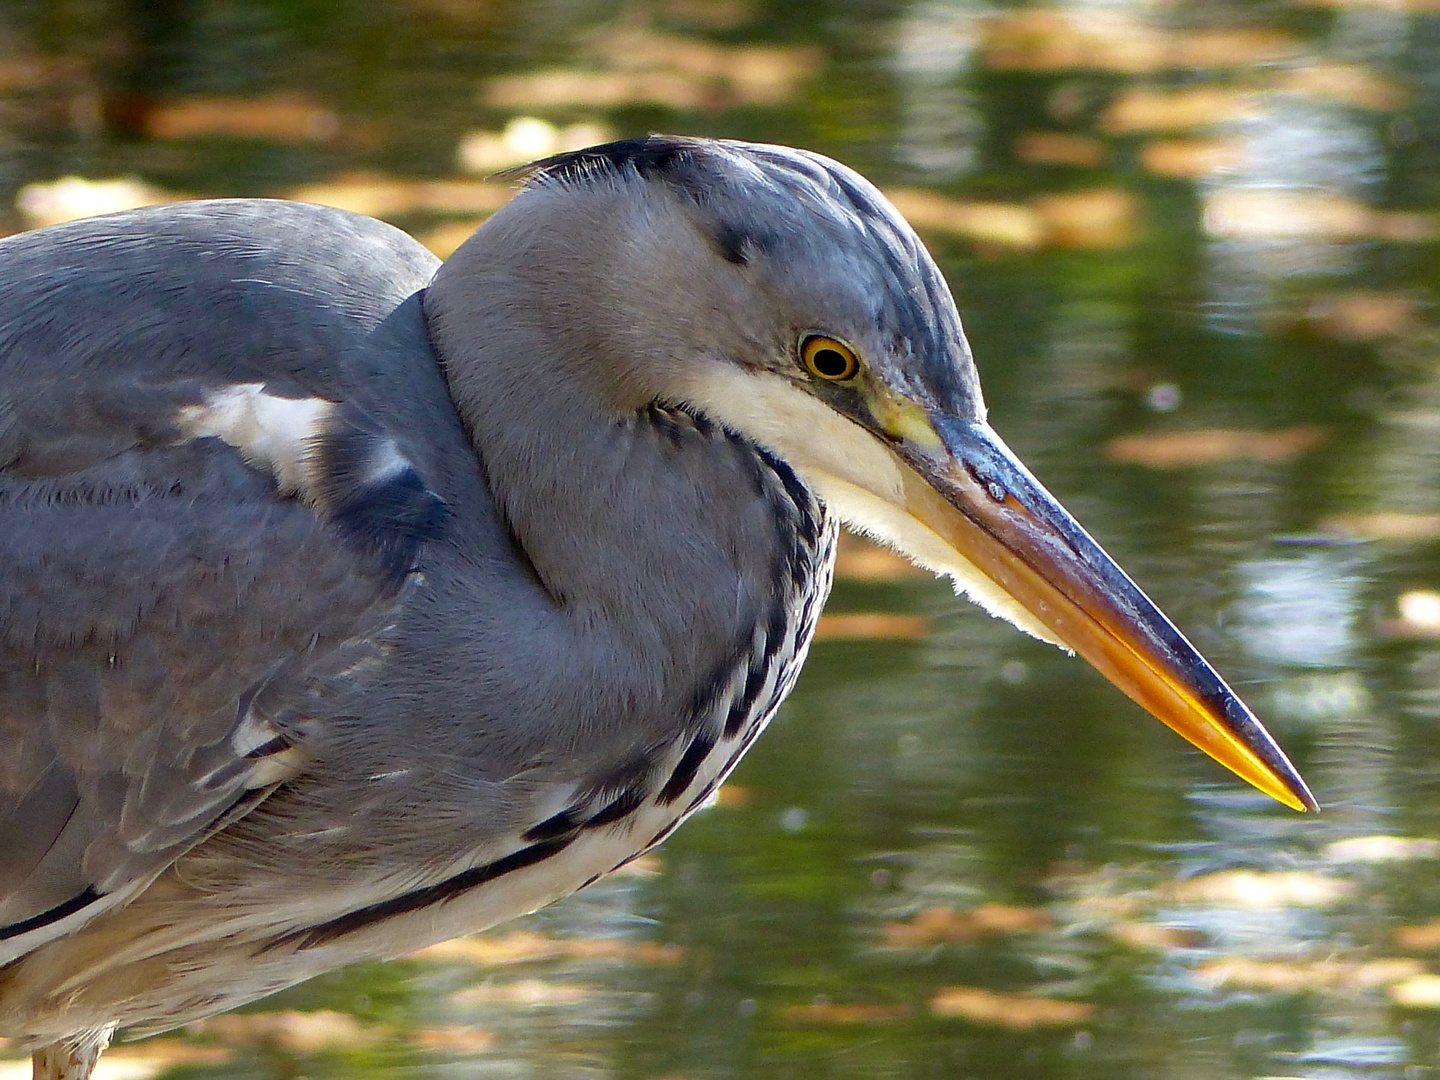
{"x":169,"y":619}
{"x":146,"y":605}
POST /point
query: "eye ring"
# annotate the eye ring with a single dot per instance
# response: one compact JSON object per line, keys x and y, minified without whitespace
{"x":828,"y":358}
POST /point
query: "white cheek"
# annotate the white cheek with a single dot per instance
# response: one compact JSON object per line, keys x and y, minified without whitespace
{"x":270,"y":432}
{"x":861,"y":481}
{"x":892,"y":526}
{"x":801,"y":430}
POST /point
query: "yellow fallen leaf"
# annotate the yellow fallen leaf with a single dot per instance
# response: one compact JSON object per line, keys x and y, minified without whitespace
{"x":859,"y":560}
{"x":1047,"y":39}
{"x":1417,"y":992}
{"x":286,"y":118}
{"x":940,"y":924}
{"x":299,"y":1032}
{"x":380,"y":196}
{"x":1191,"y":158}
{"x":73,"y":197}
{"x":167,"y":1052}
{"x":1373,"y":849}
{"x":1361,"y":315}
{"x":1097,"y":218}
{"x":560,"y":87}
{"x":1420,"y":6}
{"x":1261,"y":889}
{"x":1302,"y":976}
{"x":732,"y":796}
{"x":454,"y":1039}
{"x":444,"y":239}
{"x":1006,"y":225}
{"x":525,"y":138}
{"x":871,"y":626}
{"x":516,"y":947}
{"x":1060,"y":148}
{"x":829,"y":1013}
{"x":1017,"y":1011}
{"x":1270,"y":214}
{"x":1383,"y":526}
{"x":525,"y":946}
{"x":1349,"y":84}
{"x":747,"y":73}
{"x":1154,"y":936}
{"x":1144,"y":109}
{"x":524,"y":992}
{"x":1424,"y":936}
{"x":1419,"y":615}
{"x":1178,"y":449}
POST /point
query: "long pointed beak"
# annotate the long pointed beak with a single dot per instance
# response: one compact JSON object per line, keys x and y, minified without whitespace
{"x":984,"y":503}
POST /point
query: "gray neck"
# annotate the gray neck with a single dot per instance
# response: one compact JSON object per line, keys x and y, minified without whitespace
{"x":658,"y":540}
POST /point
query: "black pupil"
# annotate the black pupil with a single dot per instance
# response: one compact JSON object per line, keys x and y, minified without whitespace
{"x":830,"y":362}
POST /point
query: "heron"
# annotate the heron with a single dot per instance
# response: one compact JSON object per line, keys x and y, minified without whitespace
{"x":350,"y":601}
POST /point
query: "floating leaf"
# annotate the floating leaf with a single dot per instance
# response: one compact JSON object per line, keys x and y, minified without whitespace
{"x":1425,"y":936}
{"x":525,"y":138}
{"x":284,"y":118}
{"x":1383,"y":526}
{"x":1301,"y":976}
{"x":824,"y":1012}
{"x":1261,"y":889}
{"x":1048,"y":39}
{"x":1191,"y":158}
{"x":871,"y":626}
{"x":1419,"y":615}
{"x":73,"y":197}
{"x":1018,"y":1011}
{"x":1144,"y":109}
{"x":1373,"y":849}
{"x":1270,"y":214}
{"x":1060,"y":148}
{"x":648,"y":68}
{"x":299,"y":1032}
{"x":524,"y":946}
{"x":859,"y":560}
{"x":732,"y":796}
{"x":1349,"y":84}
{"x":454,"y":1039}
{"x":1417,"y":992}
{"x":526,"y":992}
{"x":1154,"y":936}
{"x":1009,"y":225}
{"x":443,"y":240}
{"x":1098,"y":218}
{"x":1178,"y":449}
{"x":1420,"y":6}
{"x":1362,"y":316}
{"x":940,"y":924}
{"x":380,"y":196}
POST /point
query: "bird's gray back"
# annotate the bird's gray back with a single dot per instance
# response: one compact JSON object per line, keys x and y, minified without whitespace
{"x":153,"y":588}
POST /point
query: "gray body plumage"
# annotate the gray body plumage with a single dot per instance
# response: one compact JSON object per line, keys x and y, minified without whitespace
{"x":316,"y":716}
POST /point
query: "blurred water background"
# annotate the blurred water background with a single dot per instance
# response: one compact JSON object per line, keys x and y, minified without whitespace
{"x":1196,"y":245}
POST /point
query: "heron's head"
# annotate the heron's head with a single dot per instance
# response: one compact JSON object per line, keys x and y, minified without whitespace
{"x":781,"y":294}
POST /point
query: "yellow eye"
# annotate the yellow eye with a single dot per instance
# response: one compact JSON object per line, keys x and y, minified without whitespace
{"x":831,"y":360}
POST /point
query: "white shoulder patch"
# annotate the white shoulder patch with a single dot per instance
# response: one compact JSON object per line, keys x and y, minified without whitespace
{"x":271,"y":432}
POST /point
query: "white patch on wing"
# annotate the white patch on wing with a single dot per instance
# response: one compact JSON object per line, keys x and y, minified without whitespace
{"x":389,"y":462}
{"x":270,"y":432}
{"x":856,"y":475}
